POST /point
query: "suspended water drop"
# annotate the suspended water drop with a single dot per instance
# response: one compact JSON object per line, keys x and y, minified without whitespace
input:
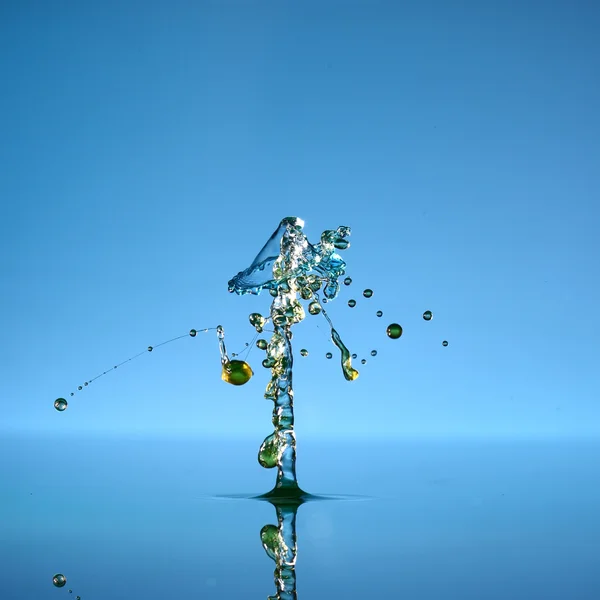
{"x":150,"y":348}
{"x":86,"y":383}
{"x":314,"y":308}
{"x":444,"y":343}
{"x":304,"y":352}
{"x":347,"y":281}
{"x":328,"y":355}
{"x":79,"y":388}
{"x":394,"y":331}
{"x":268,"y":363}
{"x":273,"y":292}
{"x":363,"y":361}
{"x":236,"y":372}
{"x":268,"y":453}
{"x":60,"y":404}
{"x":373,"y":352}
{"x":193,"y":333}
{"x":257,"y":321}
{"x":59,"y":580}
{"x":351,"y":303}
{"x":368,"y":293}
{"x":379,"y":313}
{"x":262,"y":344}
{"x":233,"y":354}
{"x":428,"y":315}
{"x":354,"y":356}
{"x":72,"y":393}
{"x":247,"y":344}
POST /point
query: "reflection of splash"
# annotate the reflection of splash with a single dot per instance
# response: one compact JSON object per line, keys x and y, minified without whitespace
{"x":288,"y":266}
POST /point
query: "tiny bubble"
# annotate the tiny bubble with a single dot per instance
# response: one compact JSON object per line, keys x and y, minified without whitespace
{"x":247,"y":344}
{"x":86,"y":383}
{"x":363,"y":361}
{"x":354,"y":356}
{"x":72,"y":393}
{"x":444,"y":343}
{"x":304,"y":352}
{"x":79,"y":388}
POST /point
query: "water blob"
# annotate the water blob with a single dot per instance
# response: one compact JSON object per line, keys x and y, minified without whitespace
{"x":79,"y":388}
{"x":314,"y":308}
{"x":444,"y":343}
{"x":351,"y":303}
{"x":363,"y":361}
{"x":236,"y":372}
{"x":354,"y":356}
{"x":379,"y":313}
{"x":427,"y":315}
{"x":347,"y":281}
{"x":193,"y":333}
{"x":304,"y":352}
{"x":394,"y":331}
{"x":150,"y":348}
{"x":262,"y":344}
{"x":60,"y":404}
{"x":368,"y":293}
{"x":329,"y":355}
{"x":257,"y":321}
{"x":59,"y":580}
{"x":373,"y":352}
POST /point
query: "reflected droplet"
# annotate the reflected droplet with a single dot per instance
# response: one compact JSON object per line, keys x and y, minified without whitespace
{"x":428,"y":315}
{"x":354,"y":356}
{"x":394,"y":331}
{"x":193,"y":333}
{"x":236,"y":372}
{"x":373,"y":352}
{"x":328,"y":355}
{"x":304,"y":352}
{"x":363,"y":361}
{"x":368,"y":293}
{"x":351,"y":303}
{"x":444,"y":343}
{"x":150,"y":348}
{"x":262,"y":344}
{"x":59,"y":580}
{"x":379,"y":313}
{"x":60,"y":404}
{"x":314,"y":308}
{"x":347,"y":281}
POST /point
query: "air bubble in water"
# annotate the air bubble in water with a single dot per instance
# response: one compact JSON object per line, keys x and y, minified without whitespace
{"x":394,"y":331}
{"x":351,"y":303}
{"x":59,"y":580}
{"x":236,"y":372}
{"x":428,"y":315}
{"x":368,"y":293}
{"x":328,"y":355}
{"x":60,"y":404}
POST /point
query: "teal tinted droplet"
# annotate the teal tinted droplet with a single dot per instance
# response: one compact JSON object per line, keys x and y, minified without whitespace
{"x":262,"y":344}
{"x":363,"y":361}
{"x":304,"y":352}
{"x":379,"y":313}
{"x":314,"y":308}
{"x":273,"y":292}
{"x":328,"y":355}
{"x":354,"y":356}
{"x":347,"y":281}
{"x":59,"y":580}
{"x":60,"y":404}
{"x":267,"y":363}
{"x":368,"y":293}
{"x":373,"y":352}
{"x":394,"y":331}
{"x":150,"y":348}
{"x":444,"y":343}
{"x":351,"y":303}
{"x":79,"y":388}
{"x":428,"y":315}
{"x":193,"y":333}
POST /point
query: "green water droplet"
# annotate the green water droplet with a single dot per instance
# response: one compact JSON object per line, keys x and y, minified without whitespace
{"x":306,"y":293}
{"x":347,"y":281}
{"x":373,"y":352}
{"x":379,"y":313}
{"x":59,"y":580}
{"x":304,"y":352}
{"x":363,"y":361}
{"x":329,"y":355}
{"x":444,"y":343}
{"x":193,"y":333}
{"x":257,"y":321}
{"x":60,"y":404}
{"x":368,"y":293}
{"x":354,"y":356}
{"x":262,"y":344}
{"x":150,"y":348}
{"x":236,"y":372}
{"x":394,"y":331}
{"x":268,"y":363}
{"x":351,"y":303}
{"x":428,"y":315}
{"x":268,"y":453}
{"x":314,"y":308}
{"x":271,"y":542}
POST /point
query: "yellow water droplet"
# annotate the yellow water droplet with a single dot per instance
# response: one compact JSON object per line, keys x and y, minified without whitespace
{"x":236,"y":372}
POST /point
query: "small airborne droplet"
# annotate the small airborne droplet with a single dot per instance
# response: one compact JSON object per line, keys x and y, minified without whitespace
{"x":368,"y":293}
{"x":236,"y":372}
{"x":363,"y":361}
{"x":60,"y":404}
{"x":72,"y":393}
{"x":354,"y":356}
{"x":304,"y":352}
{"x":351,"y":303}
{"x":314,"y":308}
{"x":347,"y":281}
{"x":59,"y":580}
{"x":79,"y":388}
{"x":379,"y":313}
{"x":262,"y":344}
{"x":193,"y":333}
{"x":150,"y":348}
{"x":444,"y":343}
{"x":86,"y":383}
{"x":394,"y":331}
{"x":328,"y":355}
{"x":373,"y":352}
{"x":428,"y":315}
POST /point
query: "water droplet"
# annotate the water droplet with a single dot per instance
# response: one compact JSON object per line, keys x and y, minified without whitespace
{"x":59,"y":580}
{"x":79,"y":387}
{"x":268,"y":363}
{"x":379,"y":313}
{"x":72,"y":393}
{"x":150,"y":348}
{"x":394,"y":331}
{"x":193,"y":333}
{"x":314,"y":308}
{"x":428,"y":315}
{"x":236,"y":372}
{"x":351,"y":303}
{"x":444,"y":343}
{"x":60,"y":404}
{"x":306,"y":293}
{"x":373,"y":352}
{"x":70,"y":591}
{"x":257,"y":321}
{"x":368,"y":293}
{"x":247,"y":344}
{"x":304,"y":352}
{"x":347,"y":281}
{"x":86,"y":383}
{"x":354,"y":356}
{"x":262,"y":344}
{"x":268,"y":453}
{"x":233,"y":354}
{"x":363,"y":361}
{"x":273,"y":292}
{"x":328,"y":355}
{"x":77,"y":597}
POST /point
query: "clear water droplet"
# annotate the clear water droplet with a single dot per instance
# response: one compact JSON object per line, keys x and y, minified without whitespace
{"x":86,"y":383}
{"x":351,"y":303}
{"x":363,"y":361}
{"x":428,"y":315}
{"x":394,"y":331}
{"x":304,"y":352}
{"x":59,"y":580}
{"x":355,"y":356}
{"x":72,"y":393}
{"x":236,"y":372}
{"x":79,"y":387}
{"x":368,"y":293}
{"x":150,"y":348}
{"x":347,"y":281}
{"x":60,"y":404}
{"x":373,"y":352}
{"x":328,"y":355}
{"x":247,"y":344}
{"x":262,"y":344}
{"x":314,"y":308}
{"x":193,"y":333}
{"x":379,"y":313}
{"x":268,"y":363}
{"x":444,"y":343}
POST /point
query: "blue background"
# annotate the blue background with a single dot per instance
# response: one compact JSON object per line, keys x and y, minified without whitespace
{"x":149,"y":149}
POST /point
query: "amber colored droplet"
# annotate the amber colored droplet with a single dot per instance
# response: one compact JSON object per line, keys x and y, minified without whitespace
{"x":236,"y":372}
{"x":394,"y":331}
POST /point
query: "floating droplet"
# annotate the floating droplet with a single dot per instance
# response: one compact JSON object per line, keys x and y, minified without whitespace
{"x":347,"y":281}
{"x":351,"y":303}
{"x":60,"y":404}
{"x":368,"y":293}
{"x":363,"y":361}
{"x":233,"y":354}
{"x":268,"y":363}
{"x":428,"y":315}
{"x":373,"y":352}
{"x":314,"y":308}
{"x":59,"y":580}
{"x":257,"y":321}
{"x":72,"y":393}
{"x":354,"y":356}
{"x":79,"y":388}
{"x":268,"y":453}
{"x":262,"y":344}
{"x":273,"y":292}
{"x":236,"y":372}
{"x":444,"y":343}
{"x":304,"y":352}
{"x":70,"y":591}
{"x":328,"y":355}
{"x":247,"y":344}
{"x":150,"y":348}
{"x":379,"y":313}
{"x":86,"y":383}
{"x":394,"y":331}
{"x":193,"y":333}
{"x":77,"y":597}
